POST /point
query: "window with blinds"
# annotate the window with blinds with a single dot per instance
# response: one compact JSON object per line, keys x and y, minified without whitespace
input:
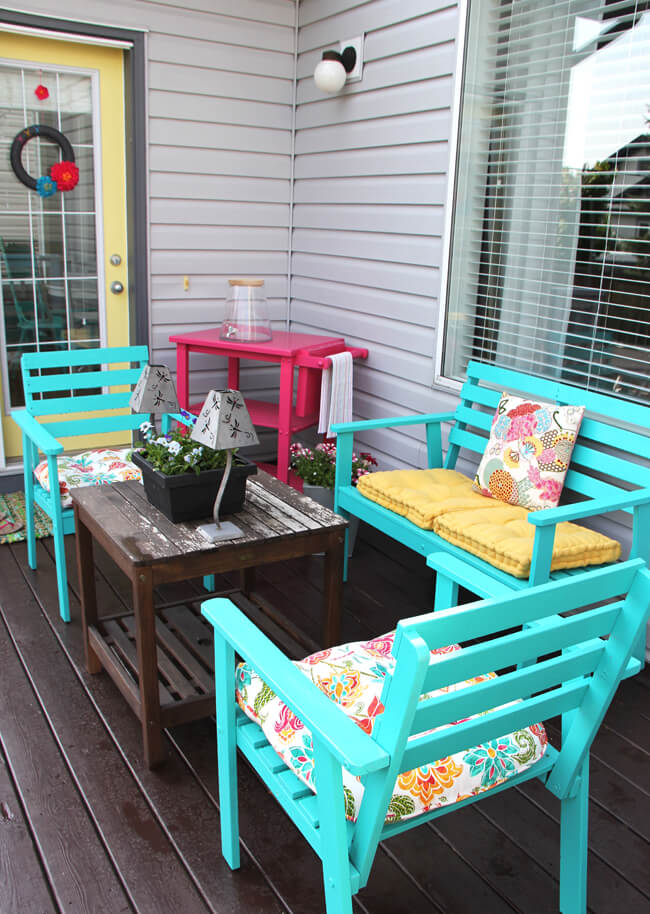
{"x":550,"y":247}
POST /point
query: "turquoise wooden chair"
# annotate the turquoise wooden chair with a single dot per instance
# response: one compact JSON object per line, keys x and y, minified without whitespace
{"x":68,"y":394}
{"x":548,"y":665}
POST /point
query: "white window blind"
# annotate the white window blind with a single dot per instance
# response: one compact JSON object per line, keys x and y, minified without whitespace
{"x":550,"y":251}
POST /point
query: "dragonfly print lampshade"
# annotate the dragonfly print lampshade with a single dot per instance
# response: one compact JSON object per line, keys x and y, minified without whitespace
{"x":223,"y":424}
{"x":155,"y":391}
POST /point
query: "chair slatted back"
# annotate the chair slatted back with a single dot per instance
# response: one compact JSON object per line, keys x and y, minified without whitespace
{"x":65,"y":383}
{"x":607,"y":441}
{"x":549,"y":664}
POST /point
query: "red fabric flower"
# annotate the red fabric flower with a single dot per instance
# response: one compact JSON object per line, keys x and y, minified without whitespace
{"x":375,"y":708}
{"x":41,"y":92}
{"x":66,"y":175}
{"x":523,"y":409}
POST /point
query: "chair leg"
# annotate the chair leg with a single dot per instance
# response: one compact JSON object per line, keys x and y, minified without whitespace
{"x":59,"y":545}
{"x":224,"y":667}
{"x":446,"y":594}
{"x":61,"y":571}
{"x":208,"y":582}
{"x":334,"y":844}
{"x":574,"y":834}
{"x":28,"y":469}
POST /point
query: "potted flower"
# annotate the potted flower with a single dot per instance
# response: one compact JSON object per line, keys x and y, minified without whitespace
{"x":317,"y":469}
{"x":181,"y":477}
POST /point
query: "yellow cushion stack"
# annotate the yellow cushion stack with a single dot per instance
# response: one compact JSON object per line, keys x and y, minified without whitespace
{"x":422,"y":495}
{"x":443,"y":501}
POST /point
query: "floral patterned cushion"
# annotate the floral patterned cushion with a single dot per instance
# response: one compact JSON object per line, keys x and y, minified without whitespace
{"x":91,"y":468}
{"x":528,"y":452}
{"x":352,"y":675}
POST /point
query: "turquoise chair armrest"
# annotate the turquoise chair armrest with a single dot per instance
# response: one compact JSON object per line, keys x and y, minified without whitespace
{"x":426,"y":418}
{"x":36,"y":432}
{"x":551,"y":516}
{"x":179,"y":417}
{"x":466,"y":575}
{"x":347,"y":742}
{"x":168,"y":418}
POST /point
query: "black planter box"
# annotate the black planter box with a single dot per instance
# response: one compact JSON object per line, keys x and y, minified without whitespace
{"x":191,"y":497}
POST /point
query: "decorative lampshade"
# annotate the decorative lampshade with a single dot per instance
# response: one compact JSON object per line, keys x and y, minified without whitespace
{"x":223,"y":422}
{"x":155,"y":391}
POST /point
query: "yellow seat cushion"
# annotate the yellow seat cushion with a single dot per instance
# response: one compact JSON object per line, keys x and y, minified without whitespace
{"x":423,"y":495}
{"x":498,"y":533}
{"x":504,"y":538}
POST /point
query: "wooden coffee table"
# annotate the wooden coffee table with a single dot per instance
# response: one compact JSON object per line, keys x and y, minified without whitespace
{"x":162,"y":660}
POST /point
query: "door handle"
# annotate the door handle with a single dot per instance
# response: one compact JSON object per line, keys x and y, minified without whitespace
{"x":116,"y":287}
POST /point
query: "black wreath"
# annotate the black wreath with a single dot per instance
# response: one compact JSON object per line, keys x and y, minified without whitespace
{"x":29,"y":133}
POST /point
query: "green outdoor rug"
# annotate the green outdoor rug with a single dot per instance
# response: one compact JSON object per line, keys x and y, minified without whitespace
{"x":12,"y":519}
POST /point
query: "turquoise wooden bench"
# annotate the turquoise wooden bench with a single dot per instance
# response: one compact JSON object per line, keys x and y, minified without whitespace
{"x":547,"y":665}
{"x":82,"y":392}
{"x":610,"y":457}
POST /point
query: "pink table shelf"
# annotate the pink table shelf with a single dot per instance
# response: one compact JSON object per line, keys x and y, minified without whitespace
{"x":304,"y":351}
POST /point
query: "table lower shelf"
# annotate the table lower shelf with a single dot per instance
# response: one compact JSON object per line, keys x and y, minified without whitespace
{"x":184,"y":649}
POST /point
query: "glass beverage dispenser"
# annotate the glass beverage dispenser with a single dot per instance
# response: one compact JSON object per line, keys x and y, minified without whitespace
{"x":247,"y":316}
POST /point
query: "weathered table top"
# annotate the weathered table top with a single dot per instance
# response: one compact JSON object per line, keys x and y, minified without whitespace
{"x":272,"y":514}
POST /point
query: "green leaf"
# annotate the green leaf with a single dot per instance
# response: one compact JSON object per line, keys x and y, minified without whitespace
{"x":349,"y":803}
{"x":264,"y":696}
{"x":401,"y":806}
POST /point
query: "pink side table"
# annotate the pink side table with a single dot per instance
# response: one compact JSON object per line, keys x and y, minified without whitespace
{"x":304,"y":351}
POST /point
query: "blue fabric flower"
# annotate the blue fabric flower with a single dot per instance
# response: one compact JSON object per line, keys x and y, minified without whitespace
{"x":492,"y":761}
{"x":45,"y":186}
{"x":501,"y":427}
{"x":191,"y":418}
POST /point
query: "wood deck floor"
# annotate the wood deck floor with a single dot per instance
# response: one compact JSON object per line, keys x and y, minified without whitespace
{"x":85,"y":826}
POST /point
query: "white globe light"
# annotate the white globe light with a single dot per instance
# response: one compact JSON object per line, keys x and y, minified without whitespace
{"x":330,"y":76}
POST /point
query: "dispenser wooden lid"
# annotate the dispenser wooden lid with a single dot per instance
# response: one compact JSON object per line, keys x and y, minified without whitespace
{"x":246,"y":282}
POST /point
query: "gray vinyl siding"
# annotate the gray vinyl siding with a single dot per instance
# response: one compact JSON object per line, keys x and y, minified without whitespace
{"x":220,"y":83}
{"x":371,"y":167}
{"x":220,"y":122}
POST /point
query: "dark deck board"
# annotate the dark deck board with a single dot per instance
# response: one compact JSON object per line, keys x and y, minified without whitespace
{"x":23,"y":886}
{"x":145,"y":840}
{"x":79,"y":873}
{"x":147,"y":862}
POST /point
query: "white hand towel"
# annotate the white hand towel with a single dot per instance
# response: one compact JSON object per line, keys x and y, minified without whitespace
{"x":336,"y":392}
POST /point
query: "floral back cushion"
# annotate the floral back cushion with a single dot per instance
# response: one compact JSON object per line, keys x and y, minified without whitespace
{"x":528,"y":452}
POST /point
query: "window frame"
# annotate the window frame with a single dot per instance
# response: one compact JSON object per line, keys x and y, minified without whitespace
{"x":440,"y":380}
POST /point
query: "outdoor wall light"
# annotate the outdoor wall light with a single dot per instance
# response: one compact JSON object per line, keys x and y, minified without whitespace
{"x":338,"y":67}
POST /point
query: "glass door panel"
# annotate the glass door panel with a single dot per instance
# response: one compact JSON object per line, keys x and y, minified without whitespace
{"x":48,"y":245}
{"x":55,"y":269}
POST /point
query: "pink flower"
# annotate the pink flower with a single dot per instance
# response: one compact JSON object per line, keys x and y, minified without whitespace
{"x":382,"y":645}
{"x":550,"y":490}
{"x":521,"y":426}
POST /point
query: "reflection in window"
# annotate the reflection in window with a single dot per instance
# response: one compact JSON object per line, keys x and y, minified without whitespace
{"x":550,"y":265}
